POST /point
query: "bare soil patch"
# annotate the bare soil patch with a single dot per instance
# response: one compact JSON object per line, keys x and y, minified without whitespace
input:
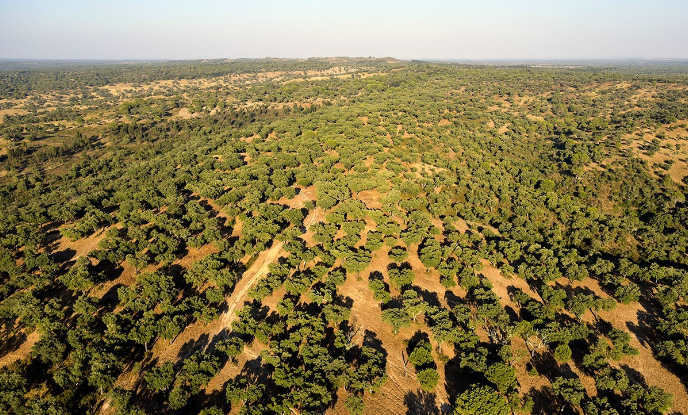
{"x":22,"y":351}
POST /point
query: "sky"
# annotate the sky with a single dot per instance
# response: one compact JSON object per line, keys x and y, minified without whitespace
{"x":429,"y":29}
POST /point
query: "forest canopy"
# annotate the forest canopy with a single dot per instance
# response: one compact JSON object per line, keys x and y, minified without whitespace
{"x":343,"y":235}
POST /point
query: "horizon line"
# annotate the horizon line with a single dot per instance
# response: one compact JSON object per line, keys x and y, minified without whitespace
{"x":428,"y":59}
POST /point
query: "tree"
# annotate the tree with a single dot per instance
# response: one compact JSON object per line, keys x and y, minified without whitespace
{"x":428,"y":379}
{"x":580,"y":303}
{"x":371,"y":373}
{"x":397,"y":318}
{"x":599,"y":406}
{"x":177,"y":398}
{"x":629,"y":293}
{"x":562,"y":353}
{"x":413,"y":304}
{"x":430,"y":253}
{"x":657,"y":400}
{"x":379,"y":290}
{"x":398,"y":254}
{"x":503,"y":376}
{"x":354,"y":404}
{"x":138,"y":260}
{"x":144,"y":330}
{"x":104,"y":369}
{"x":401,"y":277}
{"x":481,"y":400}
{"x":232,"y":347}
{"x":357,"y":261}
{"x":620,"y":340}
{"x":80,"y":277}
{"x":421,"y":354}
{"x":213,"y":410}
{"x":571,"y":391}
{"x":122,"y":402}
{"x":170,"y":327}
{"x":160,"y":377}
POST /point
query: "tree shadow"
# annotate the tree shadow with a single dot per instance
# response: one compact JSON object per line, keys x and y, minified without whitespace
{"x":175,"y":271}
{"x":377,"y":275}
{"x":544,"y":400}
{"x":205,"y":401}
{"x":428,"y":296}
{"x":649,"y":304}
{"x":417,"y":337}
{"x":513,"y":315}
{"x":110,"y":270}
{"x":192,"y":346}
{"x":452,"y":299}
{"x":221,"y":221}
{"x":12,"y":342}
{"x":642,"y":331}
{"x":421,"y":403}
{"x":222,"y":335}
{"x":570,"y":291}
{"x":633,"y":375}
{"x":403,"y":266}
{"x":63,"y":256}
{"x":110,"y":299}
{"x":458,"y":379}
{"x":548,"y":367}
{"x":344,"y":301}
{"x":602,"y":326}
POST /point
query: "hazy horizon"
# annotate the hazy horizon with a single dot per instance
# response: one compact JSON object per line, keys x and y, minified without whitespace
{"x":438,"y":30}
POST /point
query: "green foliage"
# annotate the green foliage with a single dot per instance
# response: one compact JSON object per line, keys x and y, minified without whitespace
{"x":421,"y":354}
{"x":354,"y":404}
{"x":562,"y":353}
{"x":629,"y":293}
{"x":503,"y":377}
{"x":479,"y":399}
{"x":379,"y":290}
{"x":160,"y":377}
{"x":397,"y":318}
{"x":398,"y":254}
{"x":571,"y":391}
{"x":401,"y":277}
{"x":81,"y":277}
{"x":232,"y":347}
{"x":428,"y":379}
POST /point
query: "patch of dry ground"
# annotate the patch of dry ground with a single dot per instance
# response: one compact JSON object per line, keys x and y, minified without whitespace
{"x":633,"y":318}
{"x":628,"y":317}
{"x":11,"y":111}
{"x":21,"y":352}
{"x":81,"y":247}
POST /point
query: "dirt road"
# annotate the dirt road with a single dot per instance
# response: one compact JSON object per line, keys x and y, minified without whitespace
{"x":257,"y":270}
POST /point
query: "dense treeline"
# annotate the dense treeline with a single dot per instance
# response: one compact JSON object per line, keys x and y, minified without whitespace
{"x":544,"y":180}
{"x":69,"y":76}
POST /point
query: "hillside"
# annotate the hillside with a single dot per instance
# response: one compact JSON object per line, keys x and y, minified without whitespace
{"x":343,"y":236}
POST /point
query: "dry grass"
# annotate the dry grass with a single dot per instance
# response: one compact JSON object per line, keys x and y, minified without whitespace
{"x":11,"y":111}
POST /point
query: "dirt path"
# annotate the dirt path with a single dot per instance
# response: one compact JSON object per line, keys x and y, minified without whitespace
{"x":257,"y":270}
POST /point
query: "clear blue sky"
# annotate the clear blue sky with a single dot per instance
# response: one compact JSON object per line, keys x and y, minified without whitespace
{"x":460,"y":29}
